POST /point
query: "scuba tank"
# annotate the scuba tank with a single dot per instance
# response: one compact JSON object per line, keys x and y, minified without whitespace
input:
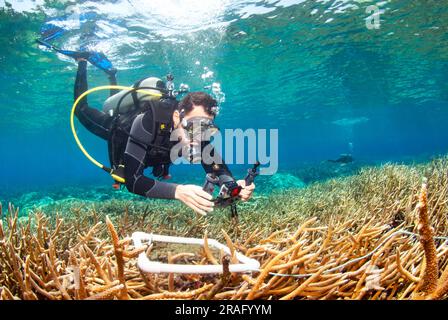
{"x":124,"y":106}
{"x":149,"y":94}
{"x":126,"y":100}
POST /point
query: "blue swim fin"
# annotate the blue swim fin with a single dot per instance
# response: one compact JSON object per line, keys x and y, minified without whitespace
{"x":50,"y":31}
{"x":98,"y":59}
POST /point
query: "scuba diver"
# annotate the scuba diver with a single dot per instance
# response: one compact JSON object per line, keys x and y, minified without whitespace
{"x":343,"y":159}
{"x":137,"y":128}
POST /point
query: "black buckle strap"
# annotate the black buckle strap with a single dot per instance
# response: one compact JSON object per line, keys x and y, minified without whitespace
{"x":142,"y":144}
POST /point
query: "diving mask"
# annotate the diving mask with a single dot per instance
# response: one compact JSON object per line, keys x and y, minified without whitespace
{"x":198,"y":125}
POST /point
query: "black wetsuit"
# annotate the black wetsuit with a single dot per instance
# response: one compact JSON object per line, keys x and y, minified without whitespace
{"x":136,"y":157}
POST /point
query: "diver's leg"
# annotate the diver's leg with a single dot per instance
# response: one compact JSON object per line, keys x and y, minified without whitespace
{"x":94,"y":120}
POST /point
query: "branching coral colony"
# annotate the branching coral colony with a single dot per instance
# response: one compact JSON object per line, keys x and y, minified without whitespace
{"x":365,"y":237}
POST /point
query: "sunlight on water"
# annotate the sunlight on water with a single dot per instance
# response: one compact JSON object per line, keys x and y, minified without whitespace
{"x":181,"y":15}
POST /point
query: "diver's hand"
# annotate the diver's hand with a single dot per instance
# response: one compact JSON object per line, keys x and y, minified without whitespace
{"x":194,"y":197}
{"x":246,"y":192}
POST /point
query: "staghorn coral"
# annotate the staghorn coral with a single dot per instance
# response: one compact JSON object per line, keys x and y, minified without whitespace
{"x":431,"y":269}
{"x":344,"y":239}
{"x":430,"y":286}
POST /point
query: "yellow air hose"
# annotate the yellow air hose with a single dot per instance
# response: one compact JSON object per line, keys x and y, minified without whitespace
{"x":75,"y":135}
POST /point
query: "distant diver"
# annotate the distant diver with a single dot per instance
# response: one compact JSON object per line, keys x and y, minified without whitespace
{"x":343,"y":159}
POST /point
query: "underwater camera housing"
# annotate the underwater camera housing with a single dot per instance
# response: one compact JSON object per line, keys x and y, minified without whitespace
{"x":229,"y":190}
{"x":228,"y":194}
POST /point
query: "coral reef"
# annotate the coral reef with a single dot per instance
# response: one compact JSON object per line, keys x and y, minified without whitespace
{"x":375,"y":235}
{"x":281,"y":181}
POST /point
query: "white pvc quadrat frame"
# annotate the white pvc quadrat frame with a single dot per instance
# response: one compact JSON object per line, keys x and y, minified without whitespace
{"x":147,"y":265}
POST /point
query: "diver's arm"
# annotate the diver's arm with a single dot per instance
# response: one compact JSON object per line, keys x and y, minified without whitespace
{"x":134,"y":163}
{"x":138,"y":183}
